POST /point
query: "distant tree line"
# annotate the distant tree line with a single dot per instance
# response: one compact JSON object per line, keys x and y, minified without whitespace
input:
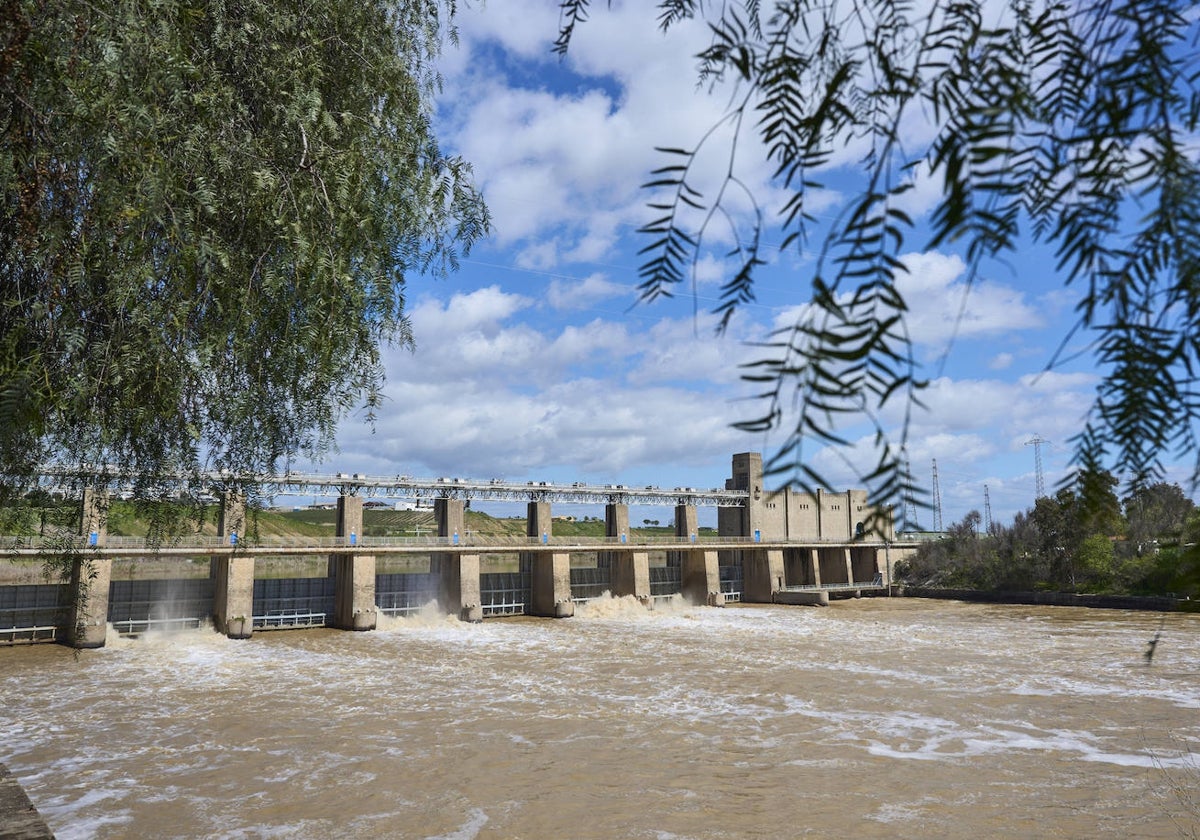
{"x":1145,"y":544}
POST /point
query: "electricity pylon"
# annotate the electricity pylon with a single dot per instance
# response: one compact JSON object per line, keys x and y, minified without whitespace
{"x":1036,"y":443}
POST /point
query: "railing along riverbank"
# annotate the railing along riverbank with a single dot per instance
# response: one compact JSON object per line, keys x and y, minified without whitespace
{"x":1149,"y":603}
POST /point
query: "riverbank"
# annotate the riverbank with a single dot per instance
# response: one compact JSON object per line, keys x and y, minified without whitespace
{"x":1053,"y":599}
{"x":19,"y":820}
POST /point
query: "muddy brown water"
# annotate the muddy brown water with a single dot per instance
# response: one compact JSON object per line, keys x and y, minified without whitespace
{"x":874,"y":718}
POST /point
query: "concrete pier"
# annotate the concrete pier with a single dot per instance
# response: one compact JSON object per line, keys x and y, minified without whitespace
{"x":459,"y":592}
{"x":616,"y":522}
{"x":616,"y":531}
{"x":353,"y":573}
{"x":233,"y":596}
{"x":90,"y":576}
{"x":800,"y":567}
{"x":686,"y":521}
{"x":232,"y":577}
{"x":550,"y":574}
{"x":631,"y":574}
{"x":762,"y":575}
{"x":834,"y":566}
{"x":700,"y":577}
{"x":550,"y":580}
{"x":231,"y":519}
{"x":538,"y":525}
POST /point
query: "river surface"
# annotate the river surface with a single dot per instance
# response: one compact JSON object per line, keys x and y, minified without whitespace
{"x":900,"y":718}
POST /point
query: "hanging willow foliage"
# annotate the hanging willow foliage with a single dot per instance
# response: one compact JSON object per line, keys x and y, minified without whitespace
{"x":1066,"y":123}
{"x":207,"y":213}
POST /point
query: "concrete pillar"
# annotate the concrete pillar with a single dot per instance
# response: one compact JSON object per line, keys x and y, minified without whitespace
{"x":834,"y":565}
{"x":631,"y":574}
{"x":349,"y":516}
{"x":795,"y":567}
{"x":231,"y":519}
{"x":700,"y":578}
{"x":814,"y":566}
{"x":551,"y":583}
{"x":460,"y":591}
{"x":616,"y":531}
{"x":849,"y":558}
{"x":451,"y":518}
{"x":93,"y":516}
{"x":762,"y":575}
{"x":353,"y":592}
{"x":87,"y":618}
{"x":685,"y":528}
{"x":616,"y":522}
{"x":353,"y":574}
{"x":537,"y":521}
{"x":233,"y":577}
{"x":233,"y":595}
{"x":685,"y":522}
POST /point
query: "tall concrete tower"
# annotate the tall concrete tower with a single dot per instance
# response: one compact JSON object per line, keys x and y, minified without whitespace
{"x":747,"y":474}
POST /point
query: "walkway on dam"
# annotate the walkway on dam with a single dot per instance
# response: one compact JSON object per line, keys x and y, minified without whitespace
{"x":454,"y":544}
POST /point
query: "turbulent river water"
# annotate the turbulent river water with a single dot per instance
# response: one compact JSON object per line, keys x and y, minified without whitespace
{"x":874,"y":718}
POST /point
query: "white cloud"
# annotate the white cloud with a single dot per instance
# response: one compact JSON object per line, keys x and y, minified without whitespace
{"x":550,"y":371}
{"x":571,"y":294}
{"x":491,"y":390}
{"x":942,"y":307}
{"x":481,"y":310}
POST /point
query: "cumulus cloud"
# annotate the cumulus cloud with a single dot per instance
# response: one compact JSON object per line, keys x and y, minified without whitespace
{"x":574,"y":294}
{"x":532,"y":360}
{"x":942,"y":307}
{"x":491,"y":389}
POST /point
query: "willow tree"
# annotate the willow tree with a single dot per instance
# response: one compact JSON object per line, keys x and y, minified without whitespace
{"x":1070,"y":124}
{"x":208,"y":213}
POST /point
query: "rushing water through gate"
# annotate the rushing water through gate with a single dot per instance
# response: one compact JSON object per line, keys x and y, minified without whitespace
{"x":872,"y":718}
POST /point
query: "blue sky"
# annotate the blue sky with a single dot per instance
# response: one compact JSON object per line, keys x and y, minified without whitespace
{"x":536,"y":362}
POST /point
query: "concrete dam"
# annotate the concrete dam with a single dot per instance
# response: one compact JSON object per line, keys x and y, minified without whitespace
{"x":771,"y":547}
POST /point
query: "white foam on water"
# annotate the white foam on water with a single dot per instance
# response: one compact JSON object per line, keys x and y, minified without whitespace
{"x":430,"y":615}
{"x":608,"y":607}
{"x":896,"y":812}
{"x":768,"y":681}
{"x":85,"y":816}
{"x":470,"y":829}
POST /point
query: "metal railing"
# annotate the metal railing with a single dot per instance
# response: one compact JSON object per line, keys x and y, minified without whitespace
{"x":39,"y":633}
{"x":876,"y":583}
{"x":287,"y":619}
{"x":202,"y":543}
{"x":148,"y":625}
